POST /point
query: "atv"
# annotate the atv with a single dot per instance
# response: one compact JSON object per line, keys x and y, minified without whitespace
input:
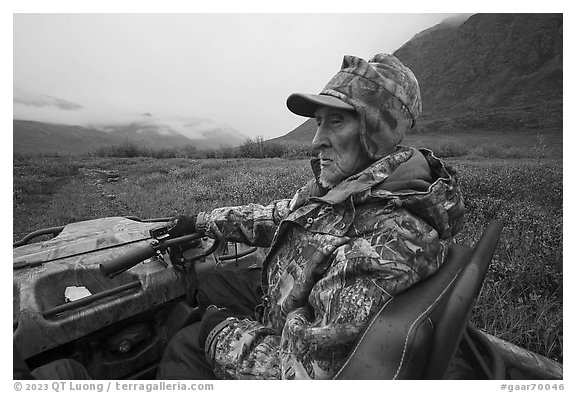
{"x":110,"y":293}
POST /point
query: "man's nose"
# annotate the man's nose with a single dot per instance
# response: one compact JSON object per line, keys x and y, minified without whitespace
{"x":321,"y":140}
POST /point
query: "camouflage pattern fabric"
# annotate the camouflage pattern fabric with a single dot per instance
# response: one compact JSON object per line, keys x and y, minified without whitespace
{"x":336,"y":258}
{"x":374,"y":89}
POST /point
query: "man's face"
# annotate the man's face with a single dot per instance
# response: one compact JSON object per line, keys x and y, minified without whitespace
{"x":338,"y":141}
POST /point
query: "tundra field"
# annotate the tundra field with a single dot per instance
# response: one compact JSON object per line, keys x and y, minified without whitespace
{"x":521,"y":301}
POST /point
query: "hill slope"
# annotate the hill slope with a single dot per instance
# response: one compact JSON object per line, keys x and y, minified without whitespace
{"x":37,"y":137}
{"x":146,"y":135}
{"x":165,"y":133}
{"x":495,"y":71}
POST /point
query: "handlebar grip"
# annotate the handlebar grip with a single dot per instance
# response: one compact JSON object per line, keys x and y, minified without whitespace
{"x":116,"y":266}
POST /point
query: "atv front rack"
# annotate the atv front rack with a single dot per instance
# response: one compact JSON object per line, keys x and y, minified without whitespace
{"x":55,"y":231}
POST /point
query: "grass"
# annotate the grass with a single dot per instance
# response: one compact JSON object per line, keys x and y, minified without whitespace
{"x":523,"y":294}
{"x":522,"y":297}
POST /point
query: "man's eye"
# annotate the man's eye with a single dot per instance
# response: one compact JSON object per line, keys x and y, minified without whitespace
{"x":335,"y":121}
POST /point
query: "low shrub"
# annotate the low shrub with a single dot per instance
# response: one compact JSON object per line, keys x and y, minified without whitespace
{"x":450,"y":148}
{"x":494,"y":150}
{"x":522,"y":298}
{"x":131,"y":150}
{"x":251,"y":148}
{"x":126,"y":150}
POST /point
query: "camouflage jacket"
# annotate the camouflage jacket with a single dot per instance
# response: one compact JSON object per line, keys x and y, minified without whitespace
{"x":335,"y":259}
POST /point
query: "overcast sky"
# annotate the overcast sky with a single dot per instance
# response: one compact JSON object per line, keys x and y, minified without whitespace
{"x":231,"y":69}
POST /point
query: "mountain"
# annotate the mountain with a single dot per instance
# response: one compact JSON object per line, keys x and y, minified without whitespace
{"x":493,"y":71}
{"x":304,"y":133}
{"x":497,"y":71}
{"x":147,"y":135}
{"x":37,"y":137}
{"x":218,"y":137}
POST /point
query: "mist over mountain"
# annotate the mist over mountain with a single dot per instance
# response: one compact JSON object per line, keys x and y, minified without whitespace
{"x":492,"y":71}
{"x":145,"y":131}
{"x":150,"y":131}
{"x":23,"y":97}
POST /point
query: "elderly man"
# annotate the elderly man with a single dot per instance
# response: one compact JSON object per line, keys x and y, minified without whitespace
{"x":373,"y":222}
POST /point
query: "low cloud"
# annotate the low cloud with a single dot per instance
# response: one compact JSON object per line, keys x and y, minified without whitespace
{"x":190,"y":127}
{"x":110,"y":117}
{"x":42,"y":100}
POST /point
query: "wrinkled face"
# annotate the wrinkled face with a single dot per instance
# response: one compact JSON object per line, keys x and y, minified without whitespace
{"x":337,"y":140}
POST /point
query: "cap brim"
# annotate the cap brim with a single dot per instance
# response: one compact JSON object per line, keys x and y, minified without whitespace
{"x":306,"y":104}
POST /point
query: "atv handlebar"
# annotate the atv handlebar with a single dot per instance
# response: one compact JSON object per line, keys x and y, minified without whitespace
{"x":116,"y":266}
{"x":124,"y":262}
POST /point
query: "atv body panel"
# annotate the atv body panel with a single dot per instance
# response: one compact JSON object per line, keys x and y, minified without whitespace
{"x":72,"y":259}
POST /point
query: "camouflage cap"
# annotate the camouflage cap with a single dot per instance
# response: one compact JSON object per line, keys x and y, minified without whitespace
{"x":400,"y":81}
{"x":369,"y":87}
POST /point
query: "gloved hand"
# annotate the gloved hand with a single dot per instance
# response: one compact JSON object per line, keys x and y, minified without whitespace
{"x":182,"y":225}
{"x":211,"y":318}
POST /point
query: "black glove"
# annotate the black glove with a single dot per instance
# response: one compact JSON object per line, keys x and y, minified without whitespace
{"x":211,"y":318}
{"x":182,"y":225}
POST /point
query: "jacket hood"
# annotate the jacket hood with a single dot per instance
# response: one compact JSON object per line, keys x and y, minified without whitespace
{"x":413,"y":179}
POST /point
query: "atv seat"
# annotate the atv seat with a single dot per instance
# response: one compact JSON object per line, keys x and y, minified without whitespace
{"x":417,"y":333}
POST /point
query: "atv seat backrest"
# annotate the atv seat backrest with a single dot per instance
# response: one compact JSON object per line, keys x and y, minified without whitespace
{"x":415,"y":335}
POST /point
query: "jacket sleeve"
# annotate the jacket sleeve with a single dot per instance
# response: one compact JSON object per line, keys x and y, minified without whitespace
{"x":252,"y":224}
{"x":363,"y":275}
{"x":244,"y":349}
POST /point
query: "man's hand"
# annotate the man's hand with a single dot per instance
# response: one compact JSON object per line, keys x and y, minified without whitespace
{"x":211,"y":318}
{"x":182,"y":225}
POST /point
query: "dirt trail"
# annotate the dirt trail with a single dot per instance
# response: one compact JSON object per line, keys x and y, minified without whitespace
{"x":100,"y":184}
{"x":87,"y":195}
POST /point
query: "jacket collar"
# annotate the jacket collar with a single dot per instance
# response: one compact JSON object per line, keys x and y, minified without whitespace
{"x":375,"y":174}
